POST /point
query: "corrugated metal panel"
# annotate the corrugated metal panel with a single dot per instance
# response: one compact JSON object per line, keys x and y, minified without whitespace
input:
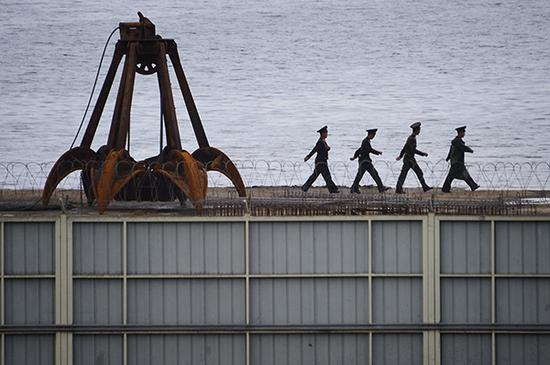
{"x":397,"y":247}
{"x":30,"y":301}
{"x":309,"y":301}
{"x":465,"y":300}
{"x":97,"y":248}
{"x":458,"y":349}
{"x":522,"y":247}
{"x":186,"y":349}
{"x":318,"y":349}
{"x":465,"y":247}
{"x":397,"y":349}
{"x":29,"y":248}
{"x":97,"y":350}
{"x":523,"y":300}
{"x":182,"y":301}
{"x":397,"y":300}
{"x":183,"y":248}
{"x":30,"y":350}
{"x":308,"y":247}
{"x":523,"y":349}
{"x":97,"y":301}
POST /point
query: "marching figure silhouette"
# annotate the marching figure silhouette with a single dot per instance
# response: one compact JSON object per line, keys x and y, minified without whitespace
{"x":456,"y":156}
{"x":409,"y":162}
{"x":321,"y":166}
{"x":365,"y":163}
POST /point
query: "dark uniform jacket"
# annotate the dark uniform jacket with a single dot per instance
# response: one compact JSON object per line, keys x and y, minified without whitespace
{"x":321,"y":148}
{"x":409,"y":150}
{"x":456,"y":152}
{"x":365,"y":150}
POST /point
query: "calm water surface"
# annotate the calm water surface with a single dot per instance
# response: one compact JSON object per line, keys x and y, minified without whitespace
{"x":266,"y":75}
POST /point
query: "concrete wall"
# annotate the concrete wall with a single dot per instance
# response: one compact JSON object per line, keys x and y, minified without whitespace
{"x":335,"y":290}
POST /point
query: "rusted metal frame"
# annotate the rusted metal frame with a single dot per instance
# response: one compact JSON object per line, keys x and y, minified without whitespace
{"x":124,"y":120}
{"x":170,"y":120}
{"x":118,"y":104}
{"x":200,"y":134}
{"x":103,"y":95}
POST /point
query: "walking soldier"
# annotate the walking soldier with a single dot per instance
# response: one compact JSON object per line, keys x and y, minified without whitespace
{"x":365,"y":163}
{"x":321,"y":166}
{"x":456,"y":156}
{"x":409,"y":162}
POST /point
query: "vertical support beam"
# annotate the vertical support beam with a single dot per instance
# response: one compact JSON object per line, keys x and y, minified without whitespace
{"x":170,"y":120}
{"x":369,"y":253}
{"x":493,"y":293}
{"x":2,"y":297}
{"x":124,"y":273}
{"x":370,"y":348}
{"x":247,"y":284}
{"x":430,"y":272}
{"x":200,"y":134}
{"x":125,"y":290}
{"x":63,"y":340}
{"x":2,"y":283}
{"x":115,"y":121}
{"x":102,"y":99}
{"x":124,"y":120}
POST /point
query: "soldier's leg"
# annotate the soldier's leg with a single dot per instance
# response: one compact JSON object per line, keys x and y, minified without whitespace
{"x":360,"y":172}
{"x":402,"y":176}
{"x":471,"y":183}
{"x":372,"y":171}
{"x":418,"y":171}
{"x":325,"y":172}
{"x":311,"y":179}
{"x":447,"y":184}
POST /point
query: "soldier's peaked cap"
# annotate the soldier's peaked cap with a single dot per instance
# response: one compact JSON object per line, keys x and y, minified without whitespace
{"x":461,"y":129}
{"x":324,"y":129}
{"x":415,"y":125}
{"x":372,"y":130}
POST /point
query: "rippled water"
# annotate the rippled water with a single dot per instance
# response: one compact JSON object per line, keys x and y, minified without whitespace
{"x":266,"y":75}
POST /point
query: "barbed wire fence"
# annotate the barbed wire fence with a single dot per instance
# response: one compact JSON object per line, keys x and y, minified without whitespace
{"x":502,"y":176}
{"x":506,"y":188}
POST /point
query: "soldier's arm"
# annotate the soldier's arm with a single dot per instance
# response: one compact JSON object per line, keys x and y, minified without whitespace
{"x":313,"y":151}
{"x":356,"y":154}
{"x":376,"y":152}
{"x":402,"y":153}
{"x":418,"y":152}
{"x":449,"y":154}
{"x":462,"y":146}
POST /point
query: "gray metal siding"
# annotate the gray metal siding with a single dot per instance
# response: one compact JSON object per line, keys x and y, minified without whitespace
{"x":470,"y":349}
{"x":97,"y":301}
{"x":397,"y":349}
{"x":522,"y":247}
{"x":308,"y":247}
{"x":186,"y":349}
{"x":186,"y":248}
{"x":306,"y":349}
{"x":29,"y":301}
{"x":309,"y":301}
{"x":523,"y":300}
{"x":523,"y":349}
{"x":465,"y":247}
{"x":397,"y":300}
{"x":397,"y":247}
{"x":97,"y":350}
{"x":30,"y":350}
{"x":466,"y":300}
{"x":183,"y":301}
{"x":97,"y":248}
{"x":29,"y":248}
